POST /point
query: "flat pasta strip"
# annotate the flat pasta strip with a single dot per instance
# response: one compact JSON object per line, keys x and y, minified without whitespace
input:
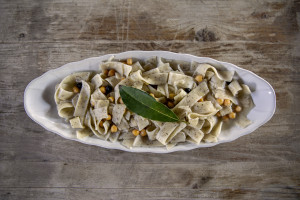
{"x":113,"y":137}
{"x":165,"y":131}
{"x":152,"y":132}
{"x":76,"y":122}
{"x":247,"y":104}
{"x":65,"y":110}
{"x":141,"y":122}
{"x":117,"y":113}
{"x":83,"y":100}
{"x":195,"y":134}
{"x":209,"y":123}
{"x":234,"y":87}
{"x":223,"y":75}
{"x":180,"y":137}
{"x":225,"y":94}
{"x":119,"y":67}
{"x":97,"y":81}
{"x":97,"y":95}
{"x":180,"y":80}
{"x":213,"y":136}
{"x":205,"y":107}
{"x":83,"y":133}
{"x":191,"y":98}
{"x":179,"y":128}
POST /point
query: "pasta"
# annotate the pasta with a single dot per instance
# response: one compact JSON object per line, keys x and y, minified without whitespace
{"x":203,"y":97}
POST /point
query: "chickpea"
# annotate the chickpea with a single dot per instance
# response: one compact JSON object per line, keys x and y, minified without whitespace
{"x":105,"y":72}
{"x":143,"y":132}
{"x":170,"y":104}
{"x":232,"y":115}
{"x":171,"y":95}
{"x":76,"y":89}
{"x":220,"y":101}
{"x":111,"y":72}
{"x":120,"y":101}
{"x":113,"y":128}
{"x":108,"y":117}
{"x":238,"y":108}
{"x":227,"y":102}
{"x":102,"y":89}
{"x":135,"y":132}
{"x":225,"y":118}
{"x":129,"y":61}
{"x":201,"y":100}
{"x":111,"y":99}
{"x":101,"y":123}
{"x":199,"y":78}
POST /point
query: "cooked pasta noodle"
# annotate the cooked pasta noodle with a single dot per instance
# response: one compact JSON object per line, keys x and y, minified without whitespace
{"x":205,"y":103}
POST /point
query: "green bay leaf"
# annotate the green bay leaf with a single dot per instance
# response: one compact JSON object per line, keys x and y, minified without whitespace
{"x":145,"y":105}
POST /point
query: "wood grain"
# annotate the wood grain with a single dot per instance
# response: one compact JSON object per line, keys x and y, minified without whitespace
{"x":261,"y":36}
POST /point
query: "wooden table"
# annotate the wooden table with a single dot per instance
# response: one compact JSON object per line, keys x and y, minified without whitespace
{"x":261,"y":36}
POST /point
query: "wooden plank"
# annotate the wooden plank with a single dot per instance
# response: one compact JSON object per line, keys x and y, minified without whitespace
{"x":246,"y":175}
{"x":145,"y":193}
{"x":268,"y":21}
{"x":37,"y":36}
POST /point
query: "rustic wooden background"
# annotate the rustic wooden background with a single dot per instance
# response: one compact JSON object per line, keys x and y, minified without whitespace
{"x":36,"y":36}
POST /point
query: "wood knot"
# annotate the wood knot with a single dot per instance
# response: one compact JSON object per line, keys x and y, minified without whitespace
{"x":201,"y":181}
{"x":195,"y":186}
{"x":258,"y":15}
{"x":205,"y":35}
{"x":21,"y":35}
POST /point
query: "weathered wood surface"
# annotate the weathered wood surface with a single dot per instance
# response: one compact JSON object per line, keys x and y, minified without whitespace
{"x":36,"y":36}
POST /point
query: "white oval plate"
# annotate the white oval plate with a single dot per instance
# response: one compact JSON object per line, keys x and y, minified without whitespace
{"x":40,"y":106}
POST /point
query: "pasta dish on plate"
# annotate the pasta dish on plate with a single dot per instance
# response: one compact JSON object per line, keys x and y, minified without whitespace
{"x":202,"y":96}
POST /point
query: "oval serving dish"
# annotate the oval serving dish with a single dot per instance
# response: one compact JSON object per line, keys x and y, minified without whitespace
{"x":40,"y":106}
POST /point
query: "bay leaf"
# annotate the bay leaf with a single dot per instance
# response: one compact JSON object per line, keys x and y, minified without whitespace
{"x":145,"y":105}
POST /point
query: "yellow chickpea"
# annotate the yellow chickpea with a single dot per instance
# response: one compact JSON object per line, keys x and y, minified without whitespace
{"x":143,"y":132}
{"x":120,"y":100}
{"x":199,"y":78}
{"x":108,"y":117}
{"x":227,"y":102}
{"x":232,"y":115}
{"x":111,"y":72}
{"x":76,"y":89}
{"x":105,"y":72}
{"x":201,"y":100}
{"x":114,"y":128}
{"x":129,"y":61}
{"x":135,"y":132}
{"x":220,"y":101}
{"x":102,"y":89}
{"x":238,"y":108}
{"x":225,"y":118}
{"x":111,"y":99}
{"x":171,"y":95}
{"x":101,"y":123}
